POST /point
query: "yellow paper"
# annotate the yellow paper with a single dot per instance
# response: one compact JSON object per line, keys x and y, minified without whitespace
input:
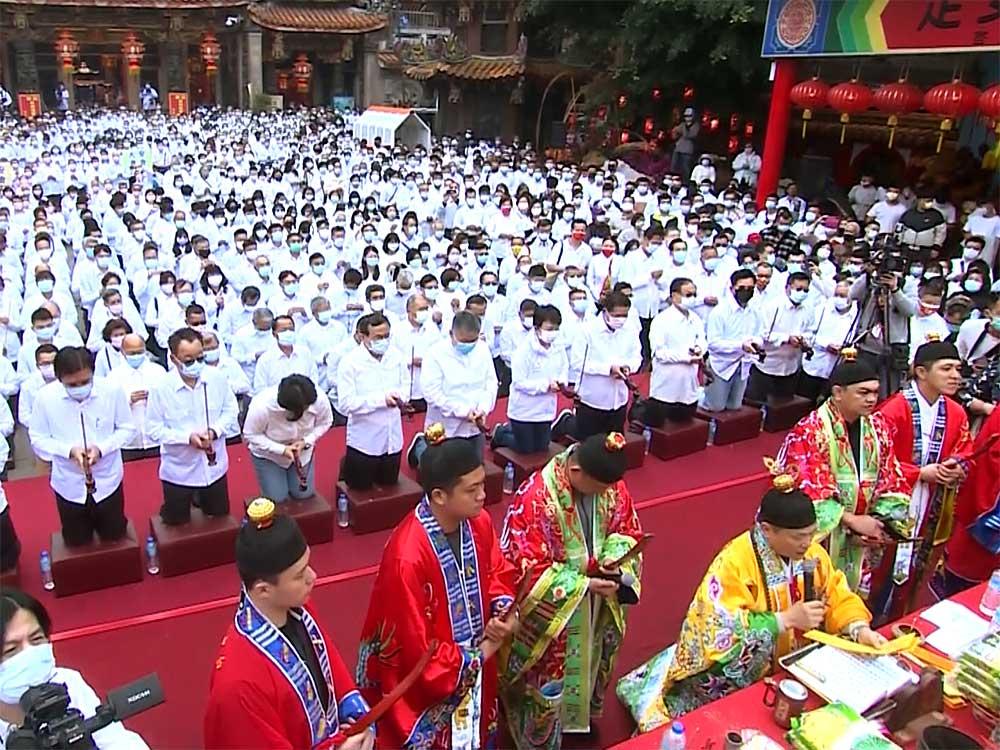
{"x":895,"y":646}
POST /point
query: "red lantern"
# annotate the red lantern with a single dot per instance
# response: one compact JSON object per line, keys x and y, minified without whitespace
{"x":622,"y":101}
{"x":66,"y":48}
{"x":132,"y":51}
{"x":688,"y":93}
{"x":282,"y":81}
{"x":748,"y":130}
{"x":951,"y":101}
{"x":647,"y":125}
{"x":734,"y":144}
{"x":211,"y":51}
{"x":809,"y":95}
{"x":624,"y":136}
{"x":713,"y":124}
{"x":899,"y":98}
{"x":849,"y":98}
{"x":989,"y":105}
{"x":302,"y":72}
{"x":734,"y":123}
{"x":657,"y":94}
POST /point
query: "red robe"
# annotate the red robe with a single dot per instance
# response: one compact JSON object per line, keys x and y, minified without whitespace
{"x":418,"y":597}
{"x":980,"y":495}
{"x":253,"y":705}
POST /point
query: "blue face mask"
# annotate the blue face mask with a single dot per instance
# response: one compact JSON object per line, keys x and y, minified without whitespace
{"x":135,"y":360}
{"x":464,"y":347}
{"x":192,"y":369}
{"x":323,"y":316}
{"x":45,"y":285}
{"x":291,"y":289}
{"x":378,"y":346}
{"x":212,"y":355}
{"x":286,"y":338}
{"x":79,"y":392}
{"x":46,"y":333}
{"x":798,"y":296}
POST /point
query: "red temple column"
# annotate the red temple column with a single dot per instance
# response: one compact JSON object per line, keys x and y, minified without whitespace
{"x":776,"y":134}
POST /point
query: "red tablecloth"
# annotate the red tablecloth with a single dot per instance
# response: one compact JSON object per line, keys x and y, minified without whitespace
{"x":706,"y":728}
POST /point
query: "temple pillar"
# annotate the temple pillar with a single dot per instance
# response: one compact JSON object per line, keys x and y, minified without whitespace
{"x":24,"y":65}
{"x":132,"y":76}
{"x":255,"y":63}
{"x":776,"y":136}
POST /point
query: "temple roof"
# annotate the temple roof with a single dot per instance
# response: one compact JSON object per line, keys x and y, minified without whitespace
{"x":340,"y":18}
{"x":474,"y":68}
{"x":166,"y":4}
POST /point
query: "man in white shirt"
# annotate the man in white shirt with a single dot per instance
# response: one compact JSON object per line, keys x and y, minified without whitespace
{"x":677,"y":341}
{"x":460,"y":385}
{"x":604,"y":355}
{"x":322,"y":334}
{"x":643,"y":269}
{"x":516,"y":330}
{"x":928,"y":324}
{"x":136,"y":379}
{"x":984,"y":222}
{"x":372,"y":383}
{"x":80,"y":424}
{"x":540,"y":370}
{"x":190,"y":412}
{"x":788,"y":334}
{"x":413,"y":338}
{"x":709,"y":280}
{"x":251,"y":341}
{"x":42,"y":374}
{"x":887,"y":212}
{"x":733,"y":336}
{"x":286,"y":357}
{"x":836,"y":318}
{"x":216,"y":356}
{"x":284,"y":423}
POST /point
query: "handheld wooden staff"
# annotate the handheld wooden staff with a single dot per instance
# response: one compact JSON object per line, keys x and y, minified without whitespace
{"x":633,"y":553}
{"x":383,"y":706}
{"x":88,"y":474}
{"x":210,"y":450}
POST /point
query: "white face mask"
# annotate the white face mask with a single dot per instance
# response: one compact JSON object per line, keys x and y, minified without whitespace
{"x":28,"y":668}
{"x":547,"y":337}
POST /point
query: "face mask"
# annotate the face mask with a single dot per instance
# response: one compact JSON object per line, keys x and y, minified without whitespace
{"x":79,"y":392}
{"x":265,"y":272}
{"x":215,"y":280}
{"x":454,"y":258}
{"x":377,"y":305}
{"x":378,"y":346}
{"x":465,"y":347}
{"x":689,"y":303}
{"x":916,"y":271}
{"x":287,"y":338}
{"x":45,"y":285}
{"x":28,"y":668}
{"x":46,"y":333}
{"x":103,"y":262}
{"x":489,"y":290}
{"x":191,"y":369}
{"x":798,"y":296}
{"x":841,"y":304}
{"x":679,"y":257}
{"x":547,"y":337}
{"x":185,"y":298}
{"x":431,"y":293}
{"x":291,"y":289}
{"x":972,"y":286}
{"x":48,"y":372}
{"x":810,"y":216}
{"x":421,"y":316}
{"x":536,"y":285}
{"x":823,"y":253}
{"x":528,"y":322}
{"x":278,"y":237}
{"x":711,"y":264}
{"x":995,"y":324}
{"x":116,"y":341}
{"x":135,"y":360}
{"x":970,"y":253}
{"x":794,"y":267}
{"x":614,"y":323}
{"x":743,"y":295}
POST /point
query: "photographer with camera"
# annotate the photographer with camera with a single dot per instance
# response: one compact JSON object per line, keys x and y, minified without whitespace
{"x":882,"y":333}
{"x":27,"y":661}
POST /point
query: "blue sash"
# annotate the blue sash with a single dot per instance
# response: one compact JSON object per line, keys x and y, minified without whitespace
{"x":983,"y":529}
{"x":270,"y":641}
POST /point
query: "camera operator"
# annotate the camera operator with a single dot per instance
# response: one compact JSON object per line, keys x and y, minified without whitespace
{"x":27,"y":662}
{"x":878,"y":286}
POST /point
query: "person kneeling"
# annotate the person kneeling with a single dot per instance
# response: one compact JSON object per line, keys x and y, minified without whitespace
{"x":749,"y":610}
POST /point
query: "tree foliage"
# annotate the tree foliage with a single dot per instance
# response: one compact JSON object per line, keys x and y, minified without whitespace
{"x":713,"y":45}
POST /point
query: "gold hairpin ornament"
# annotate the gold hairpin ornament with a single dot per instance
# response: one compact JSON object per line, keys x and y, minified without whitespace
{"x":261,"y":512}
{"x":849,"y":354}
{"x":434,"y":434}
{"x":614,"y":442}
{"x":783,"y":479}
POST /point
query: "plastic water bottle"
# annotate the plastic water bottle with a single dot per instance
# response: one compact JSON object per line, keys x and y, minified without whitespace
{"x":152,"y":556}
{"x":508,"y":479}
{"x":45,"y":564}
{"x":763,"y":416}
{"x":990,"y":603}
{"x":673,"y":738}
{"x":343,"y":511}
{"x":713,"y":425}
{"x":647,"y":436}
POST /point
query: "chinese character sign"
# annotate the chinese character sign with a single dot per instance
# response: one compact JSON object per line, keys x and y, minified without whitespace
{"x":29,"y":105}
{"x":880,"y":27}
{"x":177,"y":103}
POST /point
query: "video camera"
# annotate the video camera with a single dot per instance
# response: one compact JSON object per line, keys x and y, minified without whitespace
{"x":889,"y":256}
{"x":49,"y":722}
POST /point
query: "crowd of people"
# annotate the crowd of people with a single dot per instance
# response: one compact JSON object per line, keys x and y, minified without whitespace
{"x":171,"y":285}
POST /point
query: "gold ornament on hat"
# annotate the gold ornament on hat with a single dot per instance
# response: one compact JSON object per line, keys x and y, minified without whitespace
{"x":614,"y":442}
{"x":932,"y":337}
{"x":849,"y":354}
{"x":434,"y":434}
{"x":783,"y":480}
{"x":261,"y":512}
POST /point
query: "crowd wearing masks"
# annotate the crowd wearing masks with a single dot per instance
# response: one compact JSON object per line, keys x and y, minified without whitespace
{"x":180,"y":282}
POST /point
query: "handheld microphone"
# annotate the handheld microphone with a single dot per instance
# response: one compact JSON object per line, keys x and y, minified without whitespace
{"x":809,"y":579}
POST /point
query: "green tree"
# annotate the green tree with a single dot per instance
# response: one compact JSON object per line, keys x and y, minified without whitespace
{"x":713,"y":45}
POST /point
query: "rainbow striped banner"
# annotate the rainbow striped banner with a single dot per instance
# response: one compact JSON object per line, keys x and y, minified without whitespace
{"x":816,"y":28}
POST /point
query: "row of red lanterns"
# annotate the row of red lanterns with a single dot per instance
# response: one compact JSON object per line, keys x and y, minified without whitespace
{"x":949,"y":100}
{"x":132,"y":48}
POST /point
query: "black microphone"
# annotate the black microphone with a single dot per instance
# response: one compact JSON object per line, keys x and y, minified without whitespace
{"x":808,"y":579}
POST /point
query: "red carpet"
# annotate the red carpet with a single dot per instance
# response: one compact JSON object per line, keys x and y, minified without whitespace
{"x":688,"y":531}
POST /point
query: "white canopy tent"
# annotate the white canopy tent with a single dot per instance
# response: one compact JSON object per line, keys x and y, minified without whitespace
{"x":394,"y":125}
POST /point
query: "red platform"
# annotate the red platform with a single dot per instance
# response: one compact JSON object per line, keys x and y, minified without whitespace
{"x":11,"y":578}
{"x":733,"y":425}
{"x":202,"y":543}
{"x":314,"y":515}
{"x":494,"y":483}
{"x":381,"y":507}
{"x":676,"y":439}
{"x":98,"y":565}
{"x":783,"y":414}
{"x":525,"y":464}
{"x":635,"y":450}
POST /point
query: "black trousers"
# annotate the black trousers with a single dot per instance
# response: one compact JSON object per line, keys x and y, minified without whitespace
{"x":80,"y":520}
{"x":591,"y":421}
{"x":647,"y":353}
{"x":658,"y":412}
{"x":135,"y":454}
{"x":503,"y":377}
{"x":762,"y":385}
{"x":813,"y":388}
{"x":361,"y":471}
{"x":178,"y":499}
{"x":10,"y":545}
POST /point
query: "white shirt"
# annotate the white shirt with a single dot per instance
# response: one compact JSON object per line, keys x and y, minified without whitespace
{"x":274,"y":365}
{"x":455,"y":384}
{"x":414,"y":343}
{"x":637,"y":269}
{"x":709,"y":284}
{"x":729,"y":327}
{"x":248,"y":346}
{"x":533,"y":368}
{"x":130,"y":379}
{"x":363,"y":383}
{"x":832,"y":330}
{"x":56,"y":429}
{"x":781,"y":321}
{"x":512,"y":335}
{"x":596,"y":349}
{"x":83,"y":698}
{"x":176,"y":410}
{"x":887,"y":215}
{"x":267,"y":429}
{"x":672,"y":336}
{"x":923,"y":328}
{"x":321,"y":340}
